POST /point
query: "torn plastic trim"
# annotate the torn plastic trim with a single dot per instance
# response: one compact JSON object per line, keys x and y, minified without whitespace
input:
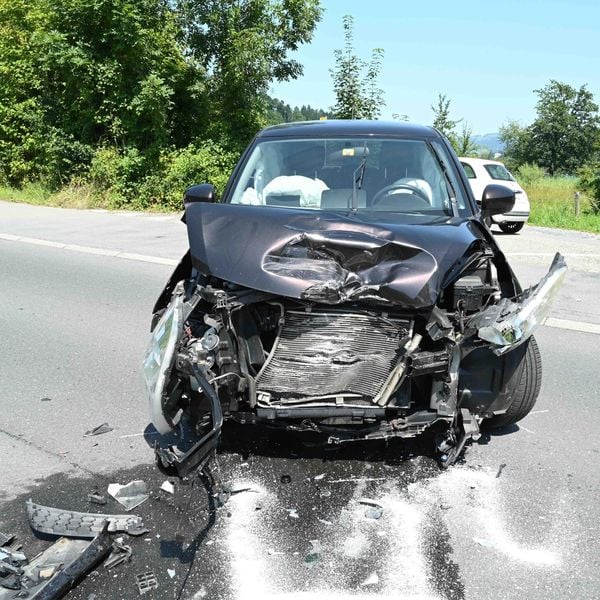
{"x":511,"y":322}
{"x":199,"y":454}
{"x":68,"y":523}
{"x":66,"y":579}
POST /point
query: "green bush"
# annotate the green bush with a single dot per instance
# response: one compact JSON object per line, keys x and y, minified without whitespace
{"x":589,"y":181}
{"x":529,"y":174}
{"x":179,"y":169}
{"x":125,"y":178}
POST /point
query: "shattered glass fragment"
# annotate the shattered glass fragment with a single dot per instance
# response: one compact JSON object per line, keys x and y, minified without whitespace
{"x":168,"y":486}
{"x":129,"y":495}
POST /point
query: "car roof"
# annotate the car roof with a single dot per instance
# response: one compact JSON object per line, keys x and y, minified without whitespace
{"x":479,"y":161}
{"x":335,"y":127}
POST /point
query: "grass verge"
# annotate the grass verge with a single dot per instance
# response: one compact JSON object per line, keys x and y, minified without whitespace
{"x":552,"y":205}
{"x":71,"y":196}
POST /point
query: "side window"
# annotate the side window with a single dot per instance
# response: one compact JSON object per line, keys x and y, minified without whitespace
{"x":469,"y":170}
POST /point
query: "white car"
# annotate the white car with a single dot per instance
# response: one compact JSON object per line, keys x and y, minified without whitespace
{"x":482,"y":172}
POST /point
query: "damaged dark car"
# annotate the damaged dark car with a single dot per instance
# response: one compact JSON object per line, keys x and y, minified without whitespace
{"x":344,"y":284}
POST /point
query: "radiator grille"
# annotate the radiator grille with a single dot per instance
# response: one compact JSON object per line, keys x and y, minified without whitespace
{"x":332,"y":354}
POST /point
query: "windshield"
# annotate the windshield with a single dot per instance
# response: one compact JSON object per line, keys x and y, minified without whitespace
{"x":499,"y":172}
{"x":394,"y":175}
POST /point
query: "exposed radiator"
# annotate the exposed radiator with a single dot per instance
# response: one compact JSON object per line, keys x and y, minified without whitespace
{"x":324,"y":356}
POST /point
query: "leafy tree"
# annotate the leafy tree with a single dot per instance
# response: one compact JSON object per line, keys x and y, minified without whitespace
{"x":280,"y":112}
{"x":355,"y":81}
{"x":442,"y":121}
{"x":566,"y":131}
{"x":517,"y":144}
{"x":465,"y":145}
{"x":243,"y":45}
{"x":75,"y":74}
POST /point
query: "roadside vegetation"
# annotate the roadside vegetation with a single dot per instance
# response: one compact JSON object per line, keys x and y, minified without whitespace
{"x":114,"y":104}
{"x":553,"y":205}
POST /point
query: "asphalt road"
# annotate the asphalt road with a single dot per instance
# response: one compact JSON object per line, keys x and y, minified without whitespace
{"x":76,"y":292}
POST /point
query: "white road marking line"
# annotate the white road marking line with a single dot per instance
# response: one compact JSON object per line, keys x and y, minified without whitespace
{"x":572,"y":325}
{"x":159,"y":260}
{"x":9,"y":237}
{"x":566,"y":254}
{"x":146,"y":258}
{"x":90,"y":250}
{"x":38,"y":242}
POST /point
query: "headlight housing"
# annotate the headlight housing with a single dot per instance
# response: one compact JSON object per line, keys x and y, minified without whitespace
{"x":158,"y":360}
{"x":515,"y":320}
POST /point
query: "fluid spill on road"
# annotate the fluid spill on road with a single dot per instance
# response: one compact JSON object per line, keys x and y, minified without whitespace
{"x":315,"y":536}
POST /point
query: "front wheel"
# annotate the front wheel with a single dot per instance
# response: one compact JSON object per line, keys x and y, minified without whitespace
{"x":511,"y":226}
{"x":526,"y":388}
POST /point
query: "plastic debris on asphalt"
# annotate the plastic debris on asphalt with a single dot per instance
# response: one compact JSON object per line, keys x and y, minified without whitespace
{"x":52,"y":573}
{"x":171,"y":573}
{"x":104,"y":428}
{"x":6,"y":538}
{"x":315,"y":554}
{"x":121,"y":553}
{"x":70,"y":523}
{"x":146,"y":582}
{"x":374,"y":509}
{"x":96,"y":499}
{"x":129,"y":495}
{"x":293,"y":513}
{"x":372,"y":579}
{"x":167,"y":486}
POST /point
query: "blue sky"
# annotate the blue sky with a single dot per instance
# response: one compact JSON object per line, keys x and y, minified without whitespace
{"x":488,"y":57}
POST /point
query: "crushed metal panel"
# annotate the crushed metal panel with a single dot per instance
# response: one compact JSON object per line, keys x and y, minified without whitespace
{"x":329,"y":256}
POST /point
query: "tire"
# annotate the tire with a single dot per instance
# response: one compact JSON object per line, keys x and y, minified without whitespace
{"x":526,"y":389}
{"x":511,"y":226}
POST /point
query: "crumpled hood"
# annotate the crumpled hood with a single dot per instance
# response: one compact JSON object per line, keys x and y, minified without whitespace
{"x":330,"y":257}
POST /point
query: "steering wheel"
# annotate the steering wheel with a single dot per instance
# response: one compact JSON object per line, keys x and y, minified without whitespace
{"x":419,"y":193}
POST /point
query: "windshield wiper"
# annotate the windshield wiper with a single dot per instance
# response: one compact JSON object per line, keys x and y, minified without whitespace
{"x":449,"y":187}
{"x":358,"y":179}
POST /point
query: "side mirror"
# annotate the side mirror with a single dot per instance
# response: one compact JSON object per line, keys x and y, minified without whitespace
{"x":203,"y":192}
{"x":496,"y":200}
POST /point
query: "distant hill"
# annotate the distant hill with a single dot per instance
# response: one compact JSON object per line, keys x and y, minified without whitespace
{"x":490,"y":141}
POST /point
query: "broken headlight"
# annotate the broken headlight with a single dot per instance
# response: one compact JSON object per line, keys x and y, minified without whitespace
{"x":514,"y":320}
{"x":159,"y":359}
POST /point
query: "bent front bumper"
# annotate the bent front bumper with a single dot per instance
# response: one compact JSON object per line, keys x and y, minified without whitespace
{"x":512,"y":321}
